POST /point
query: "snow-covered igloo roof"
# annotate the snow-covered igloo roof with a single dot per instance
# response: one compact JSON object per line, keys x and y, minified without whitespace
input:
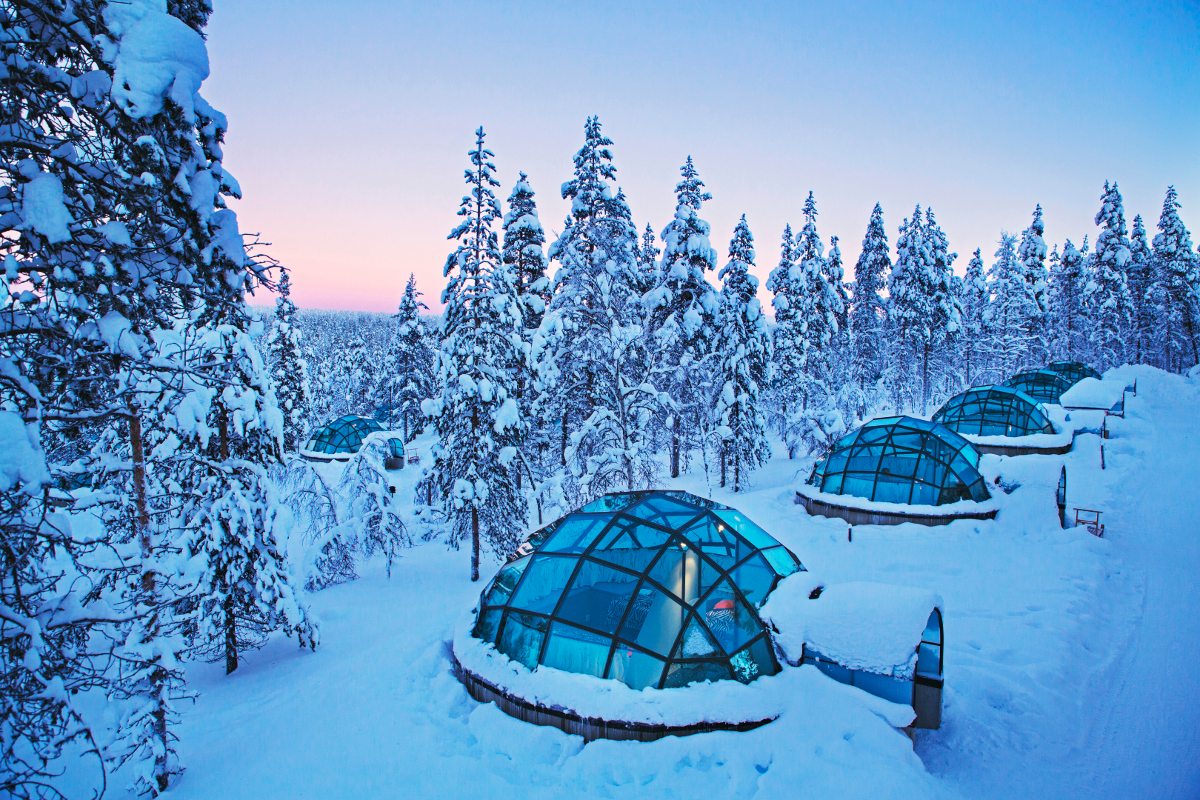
{"x":340,"y":438}
{"x":902,"y":460}
{"x":994,"y":411}
{"x":1045,"y":385}
{"x":656,"y":589}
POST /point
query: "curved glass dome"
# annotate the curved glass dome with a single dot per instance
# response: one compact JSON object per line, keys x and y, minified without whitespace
{"x":340,"y":438}
{"x":1040,"y":384}
{"x":994,"y":411}
{"x":656,"y":589}
{"x":1073,"y":371}
{"x":902,"y":460}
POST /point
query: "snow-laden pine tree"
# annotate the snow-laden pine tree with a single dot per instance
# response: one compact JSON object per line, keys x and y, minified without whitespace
{"x":923,"y":312}
{"x":974,"y":330}
{"x":1031,"y":256}
{"x":743,"y":369}
{"x":681,"y":315}
{"x":412,"y":363}
{"x":1068,"y":286}
{"x":289,"y":370}
{"x":1010,"y":313}
{"x":835,"y":274}
{"x":120,"y":249}
{"x":788,"y":347}
{"x":594,"y":372}
{"x":240,"y":588}
{"x":478,"y":420}
{"x":1175,"y":289}
{"x":817,"y":309}
{"x":1109,"y":304}
{"x":1138,"y":274}
{"x":869,"y":313}
{"x":647,"y":260}
{"x":524,"y":255}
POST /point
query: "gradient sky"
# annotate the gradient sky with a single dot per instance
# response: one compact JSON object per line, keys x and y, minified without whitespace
{"x":350,"y":120}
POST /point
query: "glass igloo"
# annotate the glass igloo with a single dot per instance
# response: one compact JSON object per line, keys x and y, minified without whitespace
{"x":339,"y":439}
{"x":1040,"y":384}
{"x":1073,"y":371}
{"x":994,"y":411}
{"x":902,"y":460}
{"x":656,"y":589}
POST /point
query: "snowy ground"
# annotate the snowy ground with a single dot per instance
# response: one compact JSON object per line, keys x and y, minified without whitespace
{"x":1072,"y":663}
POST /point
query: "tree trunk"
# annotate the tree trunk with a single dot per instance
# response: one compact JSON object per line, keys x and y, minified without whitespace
{"x":675,"y":447}
{"x":722,"y":464}
{"x":563,"y":449}
{"x":231,"y":654}
{"x":474,"y":543}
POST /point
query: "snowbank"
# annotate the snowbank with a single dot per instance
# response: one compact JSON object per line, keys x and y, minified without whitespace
{"x":860,"y":625}
{"x":588,"y":696}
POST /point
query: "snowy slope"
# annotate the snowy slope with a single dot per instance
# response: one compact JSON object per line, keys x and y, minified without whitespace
{"x":1070,"y":661}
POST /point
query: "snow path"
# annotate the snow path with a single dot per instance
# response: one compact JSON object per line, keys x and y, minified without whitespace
{"x":1151,"y":720}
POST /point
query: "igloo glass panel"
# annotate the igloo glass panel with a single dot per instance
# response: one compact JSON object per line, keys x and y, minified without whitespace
{"x":653,"y":621}
{"x":929,"y":660}
{"x":636,"y":669}
{"x":506,"y":581}
{"x":892,"y":488}
{"x":664,"y":511}
{"x":598,"y":597}
{"x":627,"y":533}
{"x":487,"y":623}
{"x":681,"y":674}
{"x":574,"y":535}
{"x":543,"y":582}
{"x":754,"y":577}
{"x":521,"y":638}
{"x":781,"y":561}
{"x":573,"y":649}
{"x":729,"y":619}
{"x":696,"y":642}
{"x":746,"y":528}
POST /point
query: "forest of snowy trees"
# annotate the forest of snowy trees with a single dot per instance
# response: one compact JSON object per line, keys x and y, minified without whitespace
{"x":151,"y":495}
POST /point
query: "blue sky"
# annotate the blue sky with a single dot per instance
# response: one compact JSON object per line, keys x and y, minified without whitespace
{"x":350,"y":121}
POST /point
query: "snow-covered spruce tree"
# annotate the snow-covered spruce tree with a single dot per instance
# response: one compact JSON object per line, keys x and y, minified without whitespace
{"x":478,"y":421}
{"x":974,"y":307}
{"x":681,"y":315}
{"x":114,"y":179}
{"x":1068,"y":284}
{"x":289,"y":370}
{"x":817,"y":309}
{"x":647,"y":261}
{"x":241,"y":590}
{"x":923,"y":311}
{"x":1031,"y":257}
{"x":788,"y":347}
{"x":868,"y":312}
{"x":524,"y":240}
{"x":1138,"y":272}
{"x":743,"y":369}
{"x":412,"y":363}
{"x":1108,"y":301}
{"x":525,"y":257}
{"x":1010,"y":312}
{"x":594,"y":372}
{"x":1175,"y":289}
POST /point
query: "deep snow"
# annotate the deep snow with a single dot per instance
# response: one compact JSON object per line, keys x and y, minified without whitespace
{"x":1072,"y":663}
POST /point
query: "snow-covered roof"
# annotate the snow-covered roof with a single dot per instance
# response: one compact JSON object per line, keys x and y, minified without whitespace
{"x":869,"y":626}
{"x":1093,"y":393}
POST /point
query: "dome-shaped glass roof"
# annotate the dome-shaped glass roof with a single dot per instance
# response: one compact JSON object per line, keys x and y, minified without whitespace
{"x":656,"y":589}
{"x":1040,"y":384}
{"x":340,"y":438}
{"x":902,"y":460}
{"x":994,"y":411}
{"x":1073,"y":371}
